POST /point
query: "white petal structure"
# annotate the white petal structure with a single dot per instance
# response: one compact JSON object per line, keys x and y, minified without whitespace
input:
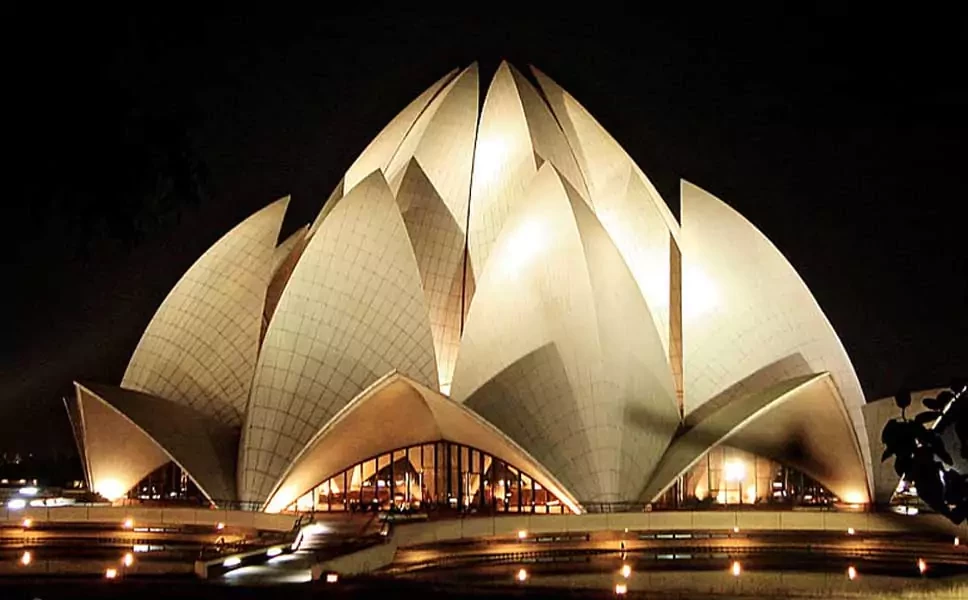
{"x":546,"y":354}
{"x":352,"y":311}
{"x":801,"y":422}
{"x":509,"y":254}
{"x":517,"y":133}
{"x":128,"y":435}
{"x":201,"y":346}
{"x":628,"y":205}
{"x":380,"y":151}
{"x":421,"y":415}
{"x":744,"y":308}
{"x":431,"y":176}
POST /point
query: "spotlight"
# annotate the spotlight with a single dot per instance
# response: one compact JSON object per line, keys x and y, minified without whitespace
{"x":736,"y":568}
{"x":522,"y":534}
{"x":26,"y":559}
{"x":922,"y":566}
{"x":851,"y":531}
{"x":851,"y":573}
{"x":626,"y":571}
{"x":27,"y":523}
{"x":128,"y":559}
{"x":111,"y":573}
{"x":621,"y":589}
{"x":522,"y":575}
{"x":128,"y":523}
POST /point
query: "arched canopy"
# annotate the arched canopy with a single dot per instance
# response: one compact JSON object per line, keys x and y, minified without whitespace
{"x":744,"y":307}
{"x":128,"y":434}
{"x":418,"y":415}
{"x":800,"y":422}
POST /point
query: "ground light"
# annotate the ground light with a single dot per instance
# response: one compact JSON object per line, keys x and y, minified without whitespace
{"x":735,"y":529}
{"x":957,"y":541}
{"x":332,"y":578}
{"x":851,"y":573}
{"x":626,"y":571}
{"x":220,"y":526}
{"x":26,"y":559}
{"x":621,"y":589}
{"x":128,"y":523}
{"x":922,"y":566}
{"x":128,"y":559}
{"x":522,"y":534}
{"x":851,"y":531}
{"x":27,"y":523}
{"x":736,"y":568}
{"x":522,"y":575}
{"x":111,"y":573}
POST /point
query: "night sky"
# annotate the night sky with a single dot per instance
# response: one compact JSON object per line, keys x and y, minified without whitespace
{"x":137,"y":143}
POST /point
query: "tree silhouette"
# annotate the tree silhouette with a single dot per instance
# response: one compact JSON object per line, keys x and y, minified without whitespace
{"x":922,"y":456}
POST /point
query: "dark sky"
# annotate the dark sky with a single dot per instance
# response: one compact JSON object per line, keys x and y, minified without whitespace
{"x":841,"y":136}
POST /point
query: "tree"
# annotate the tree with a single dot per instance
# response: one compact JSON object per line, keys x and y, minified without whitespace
{"x":921,"y":449}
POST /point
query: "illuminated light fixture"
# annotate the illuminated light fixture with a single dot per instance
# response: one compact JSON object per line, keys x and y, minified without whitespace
{"x":626,"y":571}
{"x":128,"y":559}
{"x":735,"y":529}
{"x":111,"y":489}
{"x":27,"y":523}
{"x":16,"y":503}
{"x":522,"y":575}
{"x":232,"y":561}
{"x":29,"y":491}
{"x":111,"y":573}
{"x":522,"y":534}
{"x":734,"y":470}
{"x":851,"y":573}
{"x":922,"y":566}
{"x":957,"y":542}
{"x":621,"y":589}
{"x":736,"y":568}
{"x":332,"y":578}
{"x":220,"y":526}
{"x":274,"y":551}
{"x":128,"y":523}
{"x":851,"y":531}
{"x":26,"y":559}
{"x":141,"y":548}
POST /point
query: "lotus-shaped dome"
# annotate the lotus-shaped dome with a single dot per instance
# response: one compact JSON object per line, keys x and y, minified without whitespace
{"x":523,"y":282}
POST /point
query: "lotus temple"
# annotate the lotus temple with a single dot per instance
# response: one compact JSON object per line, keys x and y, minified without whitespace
{"x":494,"y":312}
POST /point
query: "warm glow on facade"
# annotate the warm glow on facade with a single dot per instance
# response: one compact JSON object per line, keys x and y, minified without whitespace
{"x":499,"y":282}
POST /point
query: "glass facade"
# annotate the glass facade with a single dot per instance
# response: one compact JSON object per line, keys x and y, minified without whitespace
{"x":168,"y":484}
{"x":731,"y":477}
{"x":437,"y":476}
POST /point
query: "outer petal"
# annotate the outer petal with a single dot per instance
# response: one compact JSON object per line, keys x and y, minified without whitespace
{"x":420,"y":415}
{"x":353,"y":310}
{"x":801,"y":422}
{"x":547,"y":357}
{"x":128,"y":435}
{"x":744,"y":307}
{"x":201,"y":346}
